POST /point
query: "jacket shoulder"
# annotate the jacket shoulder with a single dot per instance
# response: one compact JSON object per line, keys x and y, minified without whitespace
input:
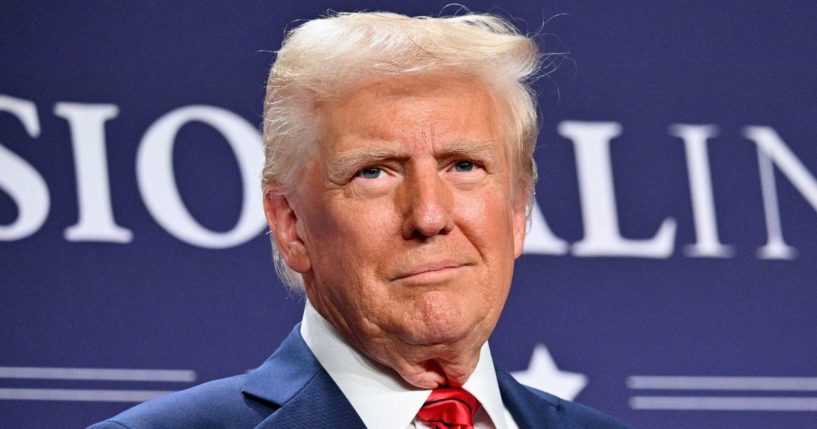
{"x":215,"y":404}
{"x":582,"y":415}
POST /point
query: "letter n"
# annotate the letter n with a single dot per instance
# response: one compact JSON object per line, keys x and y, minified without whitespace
{"x":771,"y":151}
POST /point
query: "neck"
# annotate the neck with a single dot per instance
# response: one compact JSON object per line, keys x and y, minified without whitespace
{"x":423,"y":366}
{"x":428,"y":367}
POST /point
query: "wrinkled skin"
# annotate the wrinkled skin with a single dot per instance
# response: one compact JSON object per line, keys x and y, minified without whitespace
{"x":405,"y":224}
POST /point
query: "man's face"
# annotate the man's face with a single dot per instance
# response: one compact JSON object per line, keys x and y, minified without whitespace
{"x":407,"y":218}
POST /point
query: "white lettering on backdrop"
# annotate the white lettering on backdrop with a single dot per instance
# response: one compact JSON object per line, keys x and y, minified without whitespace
{"x":157,"y":184}
{"x":700,"y":189}
{"x":772,"y":150}
{"x":87,"y":123}
{"x":19,"y":179}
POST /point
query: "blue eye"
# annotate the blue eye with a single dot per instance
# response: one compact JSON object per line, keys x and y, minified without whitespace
{"x":370,"y":173}
{"x":464,"y":166}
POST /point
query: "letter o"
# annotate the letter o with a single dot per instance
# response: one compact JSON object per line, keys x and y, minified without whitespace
{"x":157,"y":181}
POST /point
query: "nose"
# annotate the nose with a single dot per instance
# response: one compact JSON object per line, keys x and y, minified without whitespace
{"x":427,"y":202}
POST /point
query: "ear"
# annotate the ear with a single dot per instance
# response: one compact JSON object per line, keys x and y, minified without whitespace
{"x":283,"y":225}
{"x":520,"y":226}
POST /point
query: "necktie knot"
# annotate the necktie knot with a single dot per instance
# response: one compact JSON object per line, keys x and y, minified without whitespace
{"x":449,"y":408}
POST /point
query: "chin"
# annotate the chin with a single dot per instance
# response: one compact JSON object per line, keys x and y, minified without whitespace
{"x":436,"y":331}
{"x":440,"y":317}
{"x":433,"y":337}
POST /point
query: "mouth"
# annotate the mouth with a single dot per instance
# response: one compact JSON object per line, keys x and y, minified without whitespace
{"x":430,"y":272}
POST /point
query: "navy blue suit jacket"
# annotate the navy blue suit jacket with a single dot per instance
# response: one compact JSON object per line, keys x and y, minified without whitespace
{"x":292,"y":390}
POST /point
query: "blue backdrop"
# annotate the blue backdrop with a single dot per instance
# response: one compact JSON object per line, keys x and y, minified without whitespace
{"x":669,"y":277}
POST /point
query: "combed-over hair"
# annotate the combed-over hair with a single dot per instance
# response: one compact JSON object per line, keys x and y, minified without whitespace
{"x":328,"y":56}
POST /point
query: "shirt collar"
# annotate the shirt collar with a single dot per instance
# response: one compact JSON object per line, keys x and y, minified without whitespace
{"x":379,"y":397}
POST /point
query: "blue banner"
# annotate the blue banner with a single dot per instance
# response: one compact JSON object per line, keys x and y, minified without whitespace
{"x":668,"y":277}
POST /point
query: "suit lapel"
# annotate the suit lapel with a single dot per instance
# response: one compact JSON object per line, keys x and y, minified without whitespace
{"x":319,"y":405}
{"x":293,"y":381}
{"x":528,"y":409}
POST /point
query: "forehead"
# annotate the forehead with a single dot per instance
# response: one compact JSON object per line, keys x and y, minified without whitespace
{"x":427,"y":108}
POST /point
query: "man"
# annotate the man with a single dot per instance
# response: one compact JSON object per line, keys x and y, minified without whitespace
{"x":398,"y":178}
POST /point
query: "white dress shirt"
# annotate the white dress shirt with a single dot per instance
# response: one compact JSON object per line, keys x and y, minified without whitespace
{"x":381,"y":399}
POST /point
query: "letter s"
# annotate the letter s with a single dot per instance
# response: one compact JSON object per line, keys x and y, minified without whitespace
{"x":19,"y":179}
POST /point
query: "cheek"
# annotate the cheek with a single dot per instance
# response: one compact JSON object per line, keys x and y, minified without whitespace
{"x":489,"y":224}
{"x":486,"y":220}
{"x":349,"y":239}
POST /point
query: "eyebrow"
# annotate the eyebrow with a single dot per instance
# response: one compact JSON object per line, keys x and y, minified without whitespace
{"x":345,"y":163}
{"x":468,"y":149}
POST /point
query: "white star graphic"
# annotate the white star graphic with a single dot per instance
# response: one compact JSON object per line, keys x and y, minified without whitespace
{"x":543,"y":374}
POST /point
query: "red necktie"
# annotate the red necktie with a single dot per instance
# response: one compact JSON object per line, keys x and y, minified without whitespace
{"x":449,"y":408}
